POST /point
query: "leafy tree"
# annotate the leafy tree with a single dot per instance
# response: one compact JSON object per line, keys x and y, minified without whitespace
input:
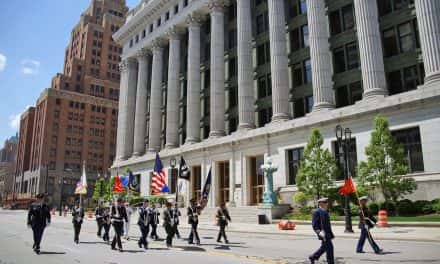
{"x":99,"y":189}
{"x":386,"y":165}
{"x":318,"y":169}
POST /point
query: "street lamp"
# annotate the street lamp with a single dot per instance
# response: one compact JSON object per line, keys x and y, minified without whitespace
{"x":173,"y":163}
{"x":269,"y":197}
{"x":344,"y":138}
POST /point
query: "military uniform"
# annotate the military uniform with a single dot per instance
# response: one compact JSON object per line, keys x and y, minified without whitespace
{"x":106,"y":224}
{"x":222,"y":216}
{"x":169,"y":223}
{"x":99,"y":212}
{"x":193,"y":213}
{"x":144,"y":225}
{"x":366,"y":222}
{"x":77,"y":220}
{"x":322,"y":227}
{"x":118,"y":216}
{"x":38,"y":218}
{"x":176,"y":227}
{"x":154,"y":221}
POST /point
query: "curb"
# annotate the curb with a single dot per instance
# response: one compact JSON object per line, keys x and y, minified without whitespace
{"x":397,"y":224}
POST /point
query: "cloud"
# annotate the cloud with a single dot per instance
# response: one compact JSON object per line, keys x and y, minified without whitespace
{"x":14,"y":121}
{"x":2,"y":62}
{"x":30,"y":67}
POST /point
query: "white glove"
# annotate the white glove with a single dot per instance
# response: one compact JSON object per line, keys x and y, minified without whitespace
{"x":322,"y":234}
{"x":366,"y":227}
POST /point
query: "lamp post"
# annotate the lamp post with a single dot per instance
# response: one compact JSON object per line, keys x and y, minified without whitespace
{"x":344,"y":138}
{"x":173,"y":163}
{"x":61,"y":183}
{"x":269,"y":197}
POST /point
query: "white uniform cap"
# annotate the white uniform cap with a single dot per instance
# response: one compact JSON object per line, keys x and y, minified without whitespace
{"x":323,"y":200}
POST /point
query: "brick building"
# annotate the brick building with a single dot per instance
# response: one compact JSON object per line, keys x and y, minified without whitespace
{"x":75,"y":120}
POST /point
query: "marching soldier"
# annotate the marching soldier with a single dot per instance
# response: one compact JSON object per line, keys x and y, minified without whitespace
{"x":193,"y":219}
{"x":366,"y":222}
{"x":144,"y":224}
{"x":322,"y":227}
{"x":77,"y":220}
{"x":222,"y":217}
{"x":106,"y":223}
{"x":169,"y":223}
{"x":38,"y":218}
{"x":99,"y":212}
{"x":177,"y":214}
{"x":119,"y":215}
{"x":154,"y":221}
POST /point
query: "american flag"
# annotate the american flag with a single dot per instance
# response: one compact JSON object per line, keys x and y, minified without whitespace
{"x":158,"y":183}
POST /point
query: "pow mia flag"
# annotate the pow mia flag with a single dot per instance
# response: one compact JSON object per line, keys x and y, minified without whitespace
{"x":184,"y":172}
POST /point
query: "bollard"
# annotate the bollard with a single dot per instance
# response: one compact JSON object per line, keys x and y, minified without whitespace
{"x":383,"y":219}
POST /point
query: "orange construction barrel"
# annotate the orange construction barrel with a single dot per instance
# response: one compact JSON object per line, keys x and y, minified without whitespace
{"x":286,"y":225}
{"x":383,"y":219}
{"x":90,"y":214}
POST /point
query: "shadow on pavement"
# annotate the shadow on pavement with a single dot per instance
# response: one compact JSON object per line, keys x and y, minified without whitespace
{"x":89,"y":242}
{"x":191,"y":248}
{"x":133,"y":251}
{"x":52,"y":253}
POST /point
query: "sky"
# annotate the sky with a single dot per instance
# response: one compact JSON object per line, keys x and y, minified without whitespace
{"x":33,"y":38}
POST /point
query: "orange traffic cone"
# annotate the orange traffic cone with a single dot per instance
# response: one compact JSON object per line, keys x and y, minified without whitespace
{"x":383,"y":219}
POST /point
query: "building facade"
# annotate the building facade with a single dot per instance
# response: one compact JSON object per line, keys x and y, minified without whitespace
{"x":8,"y":155}
{"x":227,"y":83}
{"x":75,"y":120}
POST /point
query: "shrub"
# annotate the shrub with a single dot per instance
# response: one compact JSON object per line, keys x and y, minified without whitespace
{"x":419,"y":205}
{"x":354,"y":209}
{"x":306,"y":210}
{"x":300,"y":199}
{"x":136,"y":200}
{"x":428,"y":209}
{"x":436,"y":207}
{"x":373,"y":207}
{"x":338,"y":210}
{"x":406,"y":207}
{"x":389,"y":206}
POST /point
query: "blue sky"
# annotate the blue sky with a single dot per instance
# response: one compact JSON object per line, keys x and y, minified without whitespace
{"x":33,"y":38}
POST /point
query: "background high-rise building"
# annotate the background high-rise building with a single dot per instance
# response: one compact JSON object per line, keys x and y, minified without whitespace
{"x":75,"y":120}
{"x":7,"y":164}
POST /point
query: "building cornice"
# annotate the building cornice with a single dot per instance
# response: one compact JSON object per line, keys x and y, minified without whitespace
{"x":84,"y":98}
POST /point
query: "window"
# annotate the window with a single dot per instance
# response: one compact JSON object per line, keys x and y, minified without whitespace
{"x":406,"y":39}
{"x":232,"y":39}
{"x":232,"y":68}
{"x":301,"y":106}
{"x":307,"y":71}
{"x":339,"y":60}
{"x":297,"y":75}
{"x":264,"y":86}
{"x":390,"y":43}
{"x":302,"y":7}
{"x":341,"y":20}
{"x":348,"y":94}
{"x":262,"y":23}
{"x":185,"y":3}
{"x":294,"y":159}
{"x":388,"y":6}
{"x":263,"y":54}
{"x":167,"y":16}
{"x":352,"y":56}
{"x":305,"y":35}
{"x":264,"y":116}
{"x":144,"y":33}
{"x":403,"y":38}
{"x":176,"y":9}
{"x":340,"y":158}
{"x":299,"y":38}
{"x":405,"y":79}
{"x":411,"y":142}
{"x":347,"y":17}
{"x":346,"y":58}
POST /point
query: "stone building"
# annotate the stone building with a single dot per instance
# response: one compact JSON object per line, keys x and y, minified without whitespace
{"x":227,"y":83}
{"x":75,"y":120}
{"x":8,"y":156}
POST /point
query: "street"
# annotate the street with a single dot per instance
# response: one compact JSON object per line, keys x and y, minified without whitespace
{"x":58,"y":247}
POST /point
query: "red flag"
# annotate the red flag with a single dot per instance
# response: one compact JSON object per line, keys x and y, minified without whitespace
{"x":348,"y":187}
{"x":118,"y":187}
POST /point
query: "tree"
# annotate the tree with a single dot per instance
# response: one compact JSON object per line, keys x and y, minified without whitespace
{"x":318,"y":169}
{"x":386,"y":165}
{"x":99,"y":189}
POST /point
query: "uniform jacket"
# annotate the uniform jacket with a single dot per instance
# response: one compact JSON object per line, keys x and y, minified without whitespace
{"x":222,"y":216}
{"x":369,"y":218}
{"x":106,"y":216}
{"x":77,"y":215}
{"x":169,"y":217}
{"x":321,"y":221}
{"x":119,"y":214}
{"x":154,"y":216}
{"x":38,"y":215}
{"x":193,"y":213}
{"x":99,"y":212}
{"x":144,"y":216}
{"x":176,"y":214}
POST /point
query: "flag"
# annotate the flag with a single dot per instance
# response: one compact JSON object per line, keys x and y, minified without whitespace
{"x":158,"y":183}
{"x":118,"y":187}
{"x":206,"y":187}
{"x":184,"y":172}
{"x":124,"y":181}
{"x":133,"y":185}
{"x":180,"y":189}
{"x":348,"y":187}
{"x":81,"y":185}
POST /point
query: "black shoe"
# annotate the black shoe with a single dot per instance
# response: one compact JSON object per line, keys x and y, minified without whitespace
{"x":190,"y":242}
{"x":360,"y":252}
{"x":379,"y":252}
{"x":121,"y":250}
{"x":140,"y":244}
{"x":226,"y":241}
{"x":219,"y":241}
{"x":113,"y":248}
{"x":312,"y":260}
{"x":198,"y":243}
{"x":33,"y":246}
{"x":37,"y":250}
{"x":146,"y":246}
{"x":98,"y":234}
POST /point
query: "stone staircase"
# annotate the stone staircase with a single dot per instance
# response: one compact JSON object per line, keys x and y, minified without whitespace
{"x":247,"y":214}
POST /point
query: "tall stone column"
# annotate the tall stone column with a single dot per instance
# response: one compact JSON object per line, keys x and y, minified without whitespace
{"x":246,"y":113}
{"x":194,"y":81}
{"x":173,"y":93}
{"x":156,"y":99}
{"x":278,"y":61}
{"x":127,"y":104}
{"x":217,"y":96}
{"x":141,"y":104}
{"x":321,"y":61}
{"x":370,"y":49}
{"x":428,"y":19}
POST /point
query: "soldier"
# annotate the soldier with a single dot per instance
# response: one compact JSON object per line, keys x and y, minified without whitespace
{"x":366,"y":222}
{"x":129,"y":211}
{"x":106,"y":223}
{"x":119,"y":215}
{"x":144,"y":224}
{"x":177,"y":214}
{"x":169,"y":223}
{"x":222,"y":217}
{"x":77,"y":220}
{"x":99,"y":212}
{"x":193,"y":219}
{"x":38,"y":218}
{"x":154,"y":221}
{"x":322,"y":227}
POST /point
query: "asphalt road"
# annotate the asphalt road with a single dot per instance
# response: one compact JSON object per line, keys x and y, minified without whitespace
{"x":58,"y":247}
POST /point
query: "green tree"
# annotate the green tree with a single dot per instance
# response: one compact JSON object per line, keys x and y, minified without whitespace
{"x":99,"y":189}
{"x":386,"y":165}
{"x":318,"y":169}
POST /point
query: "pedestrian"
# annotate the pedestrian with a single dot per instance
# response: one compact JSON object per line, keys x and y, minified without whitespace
{"x":106,"y":223}
{"x":38,"y":219}
{"x":99,"y":213}
{"x":322,"y":227}
{"x":144,"y":224}
{"x":118,"y":215}
{"x":177,"y":215}
{"x":154,"y":221}
{"x":77,"y":220}
{"x":222,"y":217}
{"x":366,"y":222}
{"x":129,"y":211}
{"x":193,"y":213}
{"x":169,"y":222}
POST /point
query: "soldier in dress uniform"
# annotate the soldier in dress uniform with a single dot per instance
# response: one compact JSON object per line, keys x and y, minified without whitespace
{"x":99,"y":212}
{"x":77,"y":220}
{"x":322,"y":227}
{"x":106,"y":223}
{"x":222,"y":217}
{"x":193,"y":219}
{"x":154,"y":221}
{"x":169,"y":223}
{"x":129,"y":211}
{"x":38,"y":218}
{"x":144,"y":224}
{"x":366,"y":222}
{"x":177,"y":214}
{"x":118,"y":215}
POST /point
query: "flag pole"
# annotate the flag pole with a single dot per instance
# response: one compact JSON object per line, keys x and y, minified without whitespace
{"x":177,"y":182}
{"x":362,"y":212}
